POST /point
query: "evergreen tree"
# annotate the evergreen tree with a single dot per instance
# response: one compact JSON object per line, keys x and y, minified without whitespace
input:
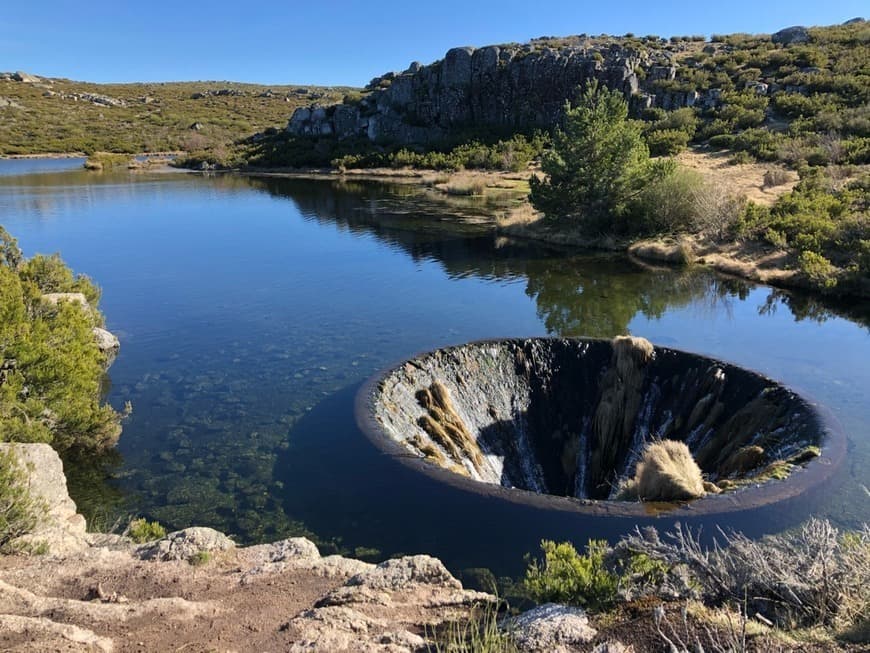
{"x":599,"y":162}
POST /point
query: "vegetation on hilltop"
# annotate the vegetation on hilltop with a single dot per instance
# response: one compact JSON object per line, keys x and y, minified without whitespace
{"x":60,"y":115}
{"x":51,"y":368}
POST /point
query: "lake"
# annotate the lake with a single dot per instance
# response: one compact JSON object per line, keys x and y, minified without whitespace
{"x":251,"y":309}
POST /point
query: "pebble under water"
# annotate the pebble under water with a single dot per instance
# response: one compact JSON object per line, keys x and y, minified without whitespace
{"x":250,"y":310}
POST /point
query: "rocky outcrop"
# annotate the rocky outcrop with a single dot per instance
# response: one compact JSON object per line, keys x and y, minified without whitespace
{"x":108,"y":343}
{"x":506,"y":87}
{"x":571,"y":417}
{"x":185,"y":544}
{"x":59,"y":528}
{"x":20,"y":76}
{"x":94,"y":98}
{"x":791,"y":35}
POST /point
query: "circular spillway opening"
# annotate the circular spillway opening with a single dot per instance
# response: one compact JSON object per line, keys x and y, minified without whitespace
{"x":599,"y":425}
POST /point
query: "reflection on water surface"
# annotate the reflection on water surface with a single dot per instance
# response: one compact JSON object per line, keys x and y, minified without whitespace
{"x":248,"y":307}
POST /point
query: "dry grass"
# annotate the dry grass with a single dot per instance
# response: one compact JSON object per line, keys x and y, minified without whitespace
{"x":742,"y":179}
{"x":667,"y":250}
{"x":814,"y":576}
{"x":522,"y":214}
{"x":464,"y":183}
{"x":446,"y":428}
{"x":667,"y":472}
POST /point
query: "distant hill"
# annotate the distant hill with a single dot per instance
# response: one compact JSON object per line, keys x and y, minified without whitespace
{"x":43,"y":115}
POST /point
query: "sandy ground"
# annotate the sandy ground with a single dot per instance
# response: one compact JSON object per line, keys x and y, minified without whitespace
{"x":745,"y":179}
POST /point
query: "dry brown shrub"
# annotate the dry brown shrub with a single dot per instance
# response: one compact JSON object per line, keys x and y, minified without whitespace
{"x":667,"y":472}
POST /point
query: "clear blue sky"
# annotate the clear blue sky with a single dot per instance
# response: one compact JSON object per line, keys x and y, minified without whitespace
{"x":336,"y":42}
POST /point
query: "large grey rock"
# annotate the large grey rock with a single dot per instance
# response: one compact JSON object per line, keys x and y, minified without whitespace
{"x":791,"y":35}
{"x":398,"y":573}
{"x":552,"y":628}
{"x":184,"y":544}
{"x":20,"y":76}
{"x":108,"y":343}
{"x":59,"y":527}
{"x":276,"y":557}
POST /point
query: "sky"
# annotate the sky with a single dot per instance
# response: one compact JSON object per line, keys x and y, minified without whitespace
{"x":336,"y":42}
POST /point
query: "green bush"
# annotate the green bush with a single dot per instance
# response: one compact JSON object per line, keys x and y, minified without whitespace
{"x":565,"y":576}
{"x":598,"y":163}
{"x":141,"y":530}
{"x":825,"y":225}
{"x":51,"y":369}
{"x":669,"y":205}
{"x":19,"y":512}
{"x":666,"y":142}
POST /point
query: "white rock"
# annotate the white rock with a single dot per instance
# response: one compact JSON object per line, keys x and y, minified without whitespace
{"x":552,"y":628}
{"x":184,"y":544}
{"x":399,"y":573}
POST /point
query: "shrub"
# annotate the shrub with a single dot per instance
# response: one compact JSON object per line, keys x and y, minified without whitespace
{"x":19,"y":512}
{"x":666,"y":142}
{"x":598,"y":163}
{"x":565,"y":576}
{"x":52,"y":368}
{"x":670,"y":204}
{"x":775,"y":177}
{"x":141,"y":530}
{"x":819,"y":269}
{"x":666,"y":472}
{"x":812,"y":576}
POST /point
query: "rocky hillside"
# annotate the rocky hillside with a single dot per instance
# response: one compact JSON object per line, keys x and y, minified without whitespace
{"x":508,"y":87}
{"x":732,"y":83}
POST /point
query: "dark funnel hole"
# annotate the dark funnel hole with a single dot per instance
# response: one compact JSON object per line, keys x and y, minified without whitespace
{"x":571,"y":417}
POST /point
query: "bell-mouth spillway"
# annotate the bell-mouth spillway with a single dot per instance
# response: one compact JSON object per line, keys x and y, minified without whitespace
{"x":564,"y":423}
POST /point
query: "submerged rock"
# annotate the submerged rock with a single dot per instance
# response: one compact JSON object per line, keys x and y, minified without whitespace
{"x":572,"y":417}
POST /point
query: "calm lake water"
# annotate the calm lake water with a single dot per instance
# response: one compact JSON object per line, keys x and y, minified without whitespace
{"x":250,"y":310}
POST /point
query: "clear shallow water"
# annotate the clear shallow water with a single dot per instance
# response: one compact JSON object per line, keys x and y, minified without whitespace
{"x":250,"y":310}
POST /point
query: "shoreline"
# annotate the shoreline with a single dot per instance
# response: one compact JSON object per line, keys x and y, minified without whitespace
{"x":751,"y":261}
{"x":81,"y":155}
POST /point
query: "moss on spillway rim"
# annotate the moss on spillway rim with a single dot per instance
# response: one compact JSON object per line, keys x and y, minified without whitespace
{"x":562,"y":422}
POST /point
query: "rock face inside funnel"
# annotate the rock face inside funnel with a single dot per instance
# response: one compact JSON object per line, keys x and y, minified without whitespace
{"x":571,"y":417}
